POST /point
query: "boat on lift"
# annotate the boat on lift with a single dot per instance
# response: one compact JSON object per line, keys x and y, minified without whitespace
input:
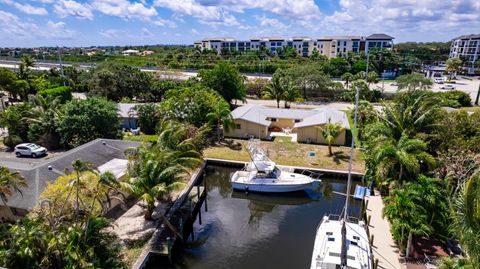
{"x":262,"y":175}
{"x":342,"y":241}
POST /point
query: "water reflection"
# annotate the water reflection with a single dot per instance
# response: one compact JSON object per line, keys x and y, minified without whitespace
{"x":257,"y":230}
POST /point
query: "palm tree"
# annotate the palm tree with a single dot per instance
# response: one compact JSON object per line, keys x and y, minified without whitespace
{"x":372,"y":77}
{"x":412,"y":113}
{"x":347,"y":77}
{"x":153,"y":181}
{"x":221,"y":116}
{"x":407,"y":217}
{"x":27,"y":62}
{"x":452,"y":66}
{"x":10,"y":182}
{"x":330,"y":132}
{"x":157,"y":170}
{"x":291,"y":93}
{"x":275,"y":90}
{"x":79,"y":168}
{"x":466,"y":215}
{"x":394,"y":159}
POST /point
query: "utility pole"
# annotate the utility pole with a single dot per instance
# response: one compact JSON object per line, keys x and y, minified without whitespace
{"x":61,"y":66}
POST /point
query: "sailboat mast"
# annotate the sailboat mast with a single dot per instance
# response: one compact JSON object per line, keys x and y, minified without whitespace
{"x":352,"y":149}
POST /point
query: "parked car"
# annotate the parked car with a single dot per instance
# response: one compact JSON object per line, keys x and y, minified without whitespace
{"x":394,"y":84}
{"x":29,"y":149}
{"x":438,"y":80}
{"x":447,"y":87}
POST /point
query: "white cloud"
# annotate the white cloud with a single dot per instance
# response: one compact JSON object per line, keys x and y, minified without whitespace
{"x":113,"y":33}
{"x":270,"y":22}
{"x":205,"y":14}
{"x":124,"y":9}
{"x":407,"y":15}
{"x":66,"y":8}
{"x":13,"y":26}
{"x":26,"y":8}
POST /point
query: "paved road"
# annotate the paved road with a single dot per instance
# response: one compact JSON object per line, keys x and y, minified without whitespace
{"x":166,"y":74}
{"x":469,"y":86}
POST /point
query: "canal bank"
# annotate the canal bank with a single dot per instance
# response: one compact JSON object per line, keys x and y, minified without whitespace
{"x":253,"y":230}
{"x":164,"y":239}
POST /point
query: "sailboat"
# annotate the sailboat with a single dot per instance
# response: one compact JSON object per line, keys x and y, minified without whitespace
{"x":262,"y":175}
{"x":341,"y":241}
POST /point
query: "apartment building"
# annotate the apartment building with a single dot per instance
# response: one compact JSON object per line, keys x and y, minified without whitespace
{"x":332,"y":46}
{"x":467,"y":47}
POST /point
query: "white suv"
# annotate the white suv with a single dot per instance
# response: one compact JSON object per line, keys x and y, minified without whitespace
{"x":29,"y":149}
{"x":438,"y":80}
{"x":447,"y":87}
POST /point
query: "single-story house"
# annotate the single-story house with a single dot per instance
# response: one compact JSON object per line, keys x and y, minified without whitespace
{"x":104,"y":154}
{"x":128,"y":117}
{"x":258,"y":121}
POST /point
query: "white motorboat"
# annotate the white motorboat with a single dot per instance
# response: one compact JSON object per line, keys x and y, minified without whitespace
{"x":342,"y":241}
{"x":262,"y":175}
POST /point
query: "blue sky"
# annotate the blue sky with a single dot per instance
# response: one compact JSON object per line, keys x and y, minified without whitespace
{"x":31,"y":23}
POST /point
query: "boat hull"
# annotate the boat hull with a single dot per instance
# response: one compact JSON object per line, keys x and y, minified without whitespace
{"x":271,"y":188}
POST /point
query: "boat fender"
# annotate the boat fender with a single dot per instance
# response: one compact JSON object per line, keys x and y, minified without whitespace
{"x":246,"y":189}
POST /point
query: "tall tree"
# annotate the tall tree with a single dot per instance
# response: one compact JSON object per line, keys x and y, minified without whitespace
{"x":452,"y":66}
{"x":397,"y":160}
{"x":291,"y":93}
{"x":221,"y":117}
{"x":414,"y":82}
{"x":148,"y":117}
{"x":226,"y":80}
{"x":347,"y":77}
{"x":276,"y":89}
{"x":84,"y":120}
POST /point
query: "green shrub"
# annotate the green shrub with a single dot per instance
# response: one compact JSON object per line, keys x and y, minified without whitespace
{"x":12,"y":140}
{"x":63,"y":92}
{"x":456,"y":99}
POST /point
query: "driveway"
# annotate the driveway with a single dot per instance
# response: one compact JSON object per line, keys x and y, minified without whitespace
{"x":9,"y":159}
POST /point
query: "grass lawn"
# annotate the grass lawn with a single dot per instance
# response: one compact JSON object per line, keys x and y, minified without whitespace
{"x":289,"y":153}
{"x":141,"y":137}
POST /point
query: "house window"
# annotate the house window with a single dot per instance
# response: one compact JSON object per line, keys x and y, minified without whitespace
{"x":273,"y":119}
{"x":297,"y":120}
{"x":238,"y":126}
{"x":344,"y":43}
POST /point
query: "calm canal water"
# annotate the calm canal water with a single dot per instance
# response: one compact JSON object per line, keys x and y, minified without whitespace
{"x":257,"y":230}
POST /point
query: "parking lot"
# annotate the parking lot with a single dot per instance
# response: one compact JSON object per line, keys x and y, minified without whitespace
{"x":469,"y":86}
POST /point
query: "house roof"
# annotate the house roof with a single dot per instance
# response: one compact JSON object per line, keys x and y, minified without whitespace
{"x":98,"y":152}
{"x":323,"y":116}
{"x":379,"y":37}
{"x":258,"y":114}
